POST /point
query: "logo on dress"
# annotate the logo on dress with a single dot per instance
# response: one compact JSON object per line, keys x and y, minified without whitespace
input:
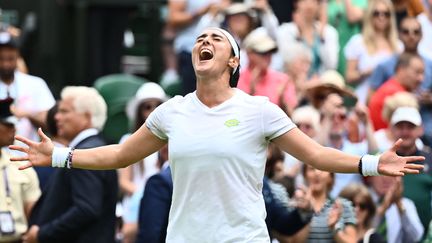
{"x":232,"y":123}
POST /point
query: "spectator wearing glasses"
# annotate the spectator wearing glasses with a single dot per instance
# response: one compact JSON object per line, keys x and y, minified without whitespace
{"x":364,"y":209}
{"x":132,"y":179}
{"x":335,"y":120}
{"x":377,"y":42}
{"x":410,"y":33}
{"x":28,"y":97}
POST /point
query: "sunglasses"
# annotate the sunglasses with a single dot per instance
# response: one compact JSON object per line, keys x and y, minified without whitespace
{"x":150,"y":105}
{"x":362,"y":206}
{"x":410,"y":31}
{"x":377,"y":14}
{"x":339,"y":116}
{"x":304,"y":125}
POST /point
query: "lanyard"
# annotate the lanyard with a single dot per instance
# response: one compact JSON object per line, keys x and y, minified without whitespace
{"x":7,"y":188}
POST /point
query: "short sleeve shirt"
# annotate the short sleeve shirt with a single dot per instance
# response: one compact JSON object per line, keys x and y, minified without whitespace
{"x":319,"y":231}
{"x":217,"y":157}
{"x":24,"y":188}
{"x":31,"y":94}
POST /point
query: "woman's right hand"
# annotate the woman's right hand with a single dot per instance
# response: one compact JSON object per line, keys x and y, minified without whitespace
{"x":37,"y":153}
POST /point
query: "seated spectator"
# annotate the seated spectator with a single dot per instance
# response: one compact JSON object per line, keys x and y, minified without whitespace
{"x":406,"y":124}
{"x":322,"y":40}
{"x":155,"y":203}
{"x":377,"y":42}
{"x":19,"y":190}
{"x":425,"y":20}
{"x":396,"y":218}
{"x":346,"y":17}
{"x":334,"y":220}
{"x":384,"y":137}
{"x":297,"y":62}
{"x":408,"y":77}
{"x":407,"y":8}
{"x":365,"y":209}
{"x":410,"y":32}
{"x":259,"y":79}
{"x":242,"y":18}
{"x":29,"y":97}
{"x":133,"y":178}
{"x":307,"y":119}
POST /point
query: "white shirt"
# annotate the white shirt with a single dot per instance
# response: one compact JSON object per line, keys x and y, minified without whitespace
{"x":425,"y":44}
{"x":288,"y":33}
{"x":217,"y":158}
{"x":186,"y":36}
{"x":83,"y":135}
{"x":30,"y":94}
{"x":408,"y":223}
{"x":356,"y":49}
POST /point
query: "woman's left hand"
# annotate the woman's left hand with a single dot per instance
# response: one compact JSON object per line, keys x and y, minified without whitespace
{"x":391,"y":164}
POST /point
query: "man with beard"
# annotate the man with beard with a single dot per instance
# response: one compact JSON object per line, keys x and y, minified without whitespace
{"x":27,"y":97}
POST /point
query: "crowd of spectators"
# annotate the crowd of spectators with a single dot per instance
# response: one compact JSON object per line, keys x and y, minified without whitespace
{"x":354,"y":75}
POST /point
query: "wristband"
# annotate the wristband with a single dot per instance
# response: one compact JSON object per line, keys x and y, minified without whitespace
{"x":59,"y":157}
{"x":369,"y":165}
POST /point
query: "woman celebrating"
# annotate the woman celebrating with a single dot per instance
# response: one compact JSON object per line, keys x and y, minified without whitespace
{"x":334,"y":220}
{"x":365,"y":209}
{"x":217,"y":138}
{"x":377,"y":42}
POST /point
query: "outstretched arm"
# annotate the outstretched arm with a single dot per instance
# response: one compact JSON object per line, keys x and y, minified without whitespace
{"x":138,"y":146}
{"x":310,"y":152}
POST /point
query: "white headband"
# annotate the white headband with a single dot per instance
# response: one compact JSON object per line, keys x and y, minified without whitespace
{"x":233,"y":43}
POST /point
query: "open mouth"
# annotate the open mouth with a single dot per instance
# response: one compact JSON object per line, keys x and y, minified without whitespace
{"x":205,"y":55}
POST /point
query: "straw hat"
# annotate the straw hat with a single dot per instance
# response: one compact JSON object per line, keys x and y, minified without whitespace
{"x":260,"y":42}
{"x":330,"y":82}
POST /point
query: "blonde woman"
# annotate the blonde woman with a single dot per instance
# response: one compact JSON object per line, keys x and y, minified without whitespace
{"x":377,"y":42}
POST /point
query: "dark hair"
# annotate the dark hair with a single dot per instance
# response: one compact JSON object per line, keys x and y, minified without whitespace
{"x":50,"y":120}
{"x":405,"y":60}
{"x":274,"y":155}
{"x":234,"y":77}
{"x":407,"y":18}
{"x":332,"y":176}
{"x":354,"y":190}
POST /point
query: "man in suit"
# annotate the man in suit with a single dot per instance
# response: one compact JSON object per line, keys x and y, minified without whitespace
{"x":77,"y":205}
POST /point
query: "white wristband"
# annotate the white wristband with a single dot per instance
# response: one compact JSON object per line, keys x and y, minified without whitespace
{"x":370,"y":165}
{"x":59,"y":157}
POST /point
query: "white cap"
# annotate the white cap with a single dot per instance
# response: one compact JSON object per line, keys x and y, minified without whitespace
{"x":260,"y":42}
{"x":147,"y":91}
{"x":407,"y":114}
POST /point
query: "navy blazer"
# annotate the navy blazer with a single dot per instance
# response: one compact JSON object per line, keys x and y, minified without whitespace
{"x":78,"y":205}
{"x":156,"y":202}
{"x":279,"y":217}
{"x":154,"y":208}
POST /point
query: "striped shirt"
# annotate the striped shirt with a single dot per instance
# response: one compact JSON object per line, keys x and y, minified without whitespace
{"x":319,"y":231}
